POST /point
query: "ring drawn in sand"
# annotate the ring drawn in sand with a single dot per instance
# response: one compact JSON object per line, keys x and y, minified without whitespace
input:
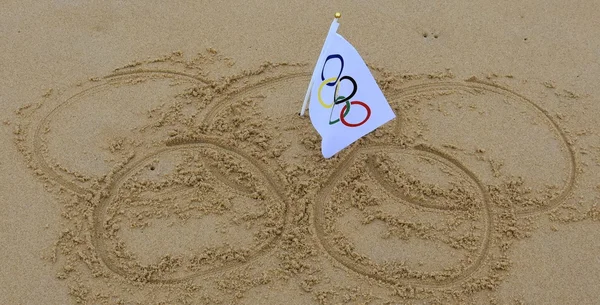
{"x":528,"y":122}
{"x":465,"y":198}
{"x":83,"y":117}
{"x":206,"y":183}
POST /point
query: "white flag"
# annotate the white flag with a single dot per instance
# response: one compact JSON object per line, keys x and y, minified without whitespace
{"x":345,"y":101}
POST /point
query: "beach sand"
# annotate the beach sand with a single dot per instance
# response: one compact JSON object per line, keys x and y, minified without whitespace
{"x":153,"y":154}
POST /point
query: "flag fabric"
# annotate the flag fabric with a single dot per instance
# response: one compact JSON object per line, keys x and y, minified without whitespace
{"x":345,"y":101}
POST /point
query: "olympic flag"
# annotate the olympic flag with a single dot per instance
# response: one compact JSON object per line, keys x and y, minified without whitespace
{"x":345,"y":100}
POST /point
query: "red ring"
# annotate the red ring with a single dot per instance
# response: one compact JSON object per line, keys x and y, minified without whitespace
{"x":357,"y":124}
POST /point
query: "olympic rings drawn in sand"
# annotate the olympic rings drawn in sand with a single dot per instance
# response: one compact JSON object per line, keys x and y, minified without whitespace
{"x":38,"y":141}
{"x":203,"y":142}
{"x":427,"y":152}
{"x":395,"y":96}
{"x":477,"y":85}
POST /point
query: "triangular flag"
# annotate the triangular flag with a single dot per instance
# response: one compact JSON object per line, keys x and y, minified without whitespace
{"x":345,"y":100}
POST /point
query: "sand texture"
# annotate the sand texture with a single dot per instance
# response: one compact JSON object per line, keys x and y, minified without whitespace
{"x":152,"y":153}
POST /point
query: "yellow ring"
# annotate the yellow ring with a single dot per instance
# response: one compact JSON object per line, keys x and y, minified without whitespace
{"x":329,"y":80}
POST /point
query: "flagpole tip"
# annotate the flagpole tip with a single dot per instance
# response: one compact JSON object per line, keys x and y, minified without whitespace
{"x":337,"y":15}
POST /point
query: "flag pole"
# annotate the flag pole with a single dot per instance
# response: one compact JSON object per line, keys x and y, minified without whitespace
{"x":333,"y":29}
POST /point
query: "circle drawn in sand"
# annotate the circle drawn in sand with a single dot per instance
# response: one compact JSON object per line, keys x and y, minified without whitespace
{"x":477,"y":122}
{"x":380,"y":220}
{"x":70,"y":142}
{"x":177,"y":206}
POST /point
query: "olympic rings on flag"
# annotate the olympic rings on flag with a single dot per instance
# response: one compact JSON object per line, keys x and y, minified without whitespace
{"x":335,"y":82}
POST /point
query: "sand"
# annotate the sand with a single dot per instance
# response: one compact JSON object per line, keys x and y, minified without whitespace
{"x":153,"y":154}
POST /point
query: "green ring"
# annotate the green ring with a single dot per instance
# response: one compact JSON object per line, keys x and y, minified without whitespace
{"x":345,"y":113}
